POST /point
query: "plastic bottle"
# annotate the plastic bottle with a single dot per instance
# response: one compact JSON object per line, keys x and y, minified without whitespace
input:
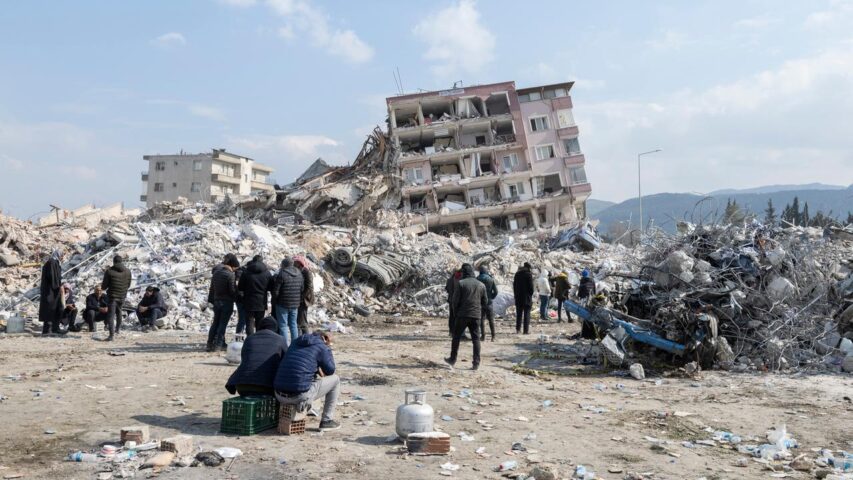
{"x":124,"y":456}
{"x":507,"y":465}
{"x":83,"y":457}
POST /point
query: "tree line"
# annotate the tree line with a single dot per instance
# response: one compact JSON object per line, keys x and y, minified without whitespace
{"x":792,"y":214}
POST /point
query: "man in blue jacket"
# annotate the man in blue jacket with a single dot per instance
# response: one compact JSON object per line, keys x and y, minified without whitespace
{"x":261,"y":355}
{"x":306,"y":373}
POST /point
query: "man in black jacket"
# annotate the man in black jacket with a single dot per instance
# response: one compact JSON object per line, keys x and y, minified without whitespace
{"x":223,"y":293}
{"x":307,"y":295}
{"x":259,"y":359}
{"x":287,"y":295}
{"x":254,"y":286}
{"x":151,"y":308}
{"x":469,"y":300}
{"x":522,"y":289}
{"x":116,"y":283}
{"x":97,"y":306}
{"x":491,"y":293}
{"x":449,"y":287}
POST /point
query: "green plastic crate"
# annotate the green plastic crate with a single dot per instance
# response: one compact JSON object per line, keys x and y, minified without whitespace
{"x":248,"y":415}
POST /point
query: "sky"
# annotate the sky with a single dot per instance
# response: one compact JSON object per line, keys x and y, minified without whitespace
{"x":736,"y":93}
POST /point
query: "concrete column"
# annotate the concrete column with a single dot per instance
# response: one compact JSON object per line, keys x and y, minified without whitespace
{"x":472,"y":224}
{"x":393,"y":117}
{"x":534,"y":215}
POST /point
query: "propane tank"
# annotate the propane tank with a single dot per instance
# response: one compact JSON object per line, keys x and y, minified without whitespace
{"x":414,"y":415}
{"x":232,"y":355}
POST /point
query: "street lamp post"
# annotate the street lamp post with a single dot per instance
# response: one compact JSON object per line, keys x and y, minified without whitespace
{"x":639,"y":184}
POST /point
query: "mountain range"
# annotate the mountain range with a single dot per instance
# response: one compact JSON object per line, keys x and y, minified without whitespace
{"x":665,"y":210}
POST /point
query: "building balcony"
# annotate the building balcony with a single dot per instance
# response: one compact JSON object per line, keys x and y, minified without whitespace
{"x":223,"y":178}
{"x":574,"y":159}
{"x":256,"y":185}
{"x":568,"y":132}
{"x":581,"y":190}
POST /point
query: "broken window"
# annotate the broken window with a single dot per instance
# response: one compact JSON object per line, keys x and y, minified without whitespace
{"x":572,"y":146}
{"x":516,"y":190}
{"x":468,"y":108}
{"x":565,"y":118}
{"x":196,"y":165}
{"x":486,"y":165}
{"x":577,"y":175}
{"x":538,"y":124}
{"x":497,"y":104}
{"x":544,"y":152}
{"x":160,"y":166}
{"x":415,"y":175}
{"x":510,"y":162}
{"x":195,"y":187}
{"x":158,"y":187}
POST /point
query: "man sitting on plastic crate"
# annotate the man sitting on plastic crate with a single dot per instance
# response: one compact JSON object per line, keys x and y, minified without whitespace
{"x":259,"y":360}
{"x":307,"y":373}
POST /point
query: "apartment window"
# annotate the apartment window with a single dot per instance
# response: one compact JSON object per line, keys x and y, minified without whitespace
{"x":414,"y":175}
{"x":565,"y":118}
{"x":197,"y":165}
{"x":160,"y":166}
{"x":572,"y":146}
{"x":516,"y":190}
{"x":538,"y":124}
{"x":195,"y":187}
{"x":174,"y":185}
{"x":545,"y":151}
{"x":577,"y":175}
{"x":510,"y":162}
{"x":176,"y":163}
{"x":561,"y":92}
{"x":534,"y":96}
{"x":158,"y":187}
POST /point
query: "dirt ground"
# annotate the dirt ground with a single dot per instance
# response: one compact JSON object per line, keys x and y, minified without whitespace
{"x":68,"y":394}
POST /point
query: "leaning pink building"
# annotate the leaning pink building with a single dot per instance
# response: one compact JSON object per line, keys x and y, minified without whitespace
{"x":490,"y":155}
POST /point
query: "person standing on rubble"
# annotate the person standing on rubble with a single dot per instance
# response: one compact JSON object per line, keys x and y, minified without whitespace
{"x":543,"y":287}
{"x":469,"y":300}
{"x":488,"y":312}
{"x":50,"y":294}
{"x":586,"y":289}
{"x":522,"y":289}
{"x":287,"y":295}
{"x":222,"y":294}
{"x":307,"y":295}
{"x":450,"y":287}
{"x":116,"y":283}
{"x":561,"y":293}
{"x":254,"y":285}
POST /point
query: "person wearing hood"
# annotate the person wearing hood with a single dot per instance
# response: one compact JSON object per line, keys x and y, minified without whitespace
{"x":491,"y":293}
{"x":522,"y":289}
{"x":449,"y":287}
{"x":222,"y":294}
{"x":561,"y":292}
{"x":116,"y":283}
{"x":259,"y":360}
{"x":543,"y":286}
{"x":254,"y":286}
{"x":50,"y":295}
{"x":469,"y":300}
{"x":307,"y":295}
{"x":307,"y":373}
{"x":287,"y":295}
{"x":151,"y":308}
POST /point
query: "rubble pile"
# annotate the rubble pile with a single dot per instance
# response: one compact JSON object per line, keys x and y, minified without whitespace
{"x":775,"y":297}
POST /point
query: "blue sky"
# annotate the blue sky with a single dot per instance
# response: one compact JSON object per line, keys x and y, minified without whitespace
{"x":736,"y":93}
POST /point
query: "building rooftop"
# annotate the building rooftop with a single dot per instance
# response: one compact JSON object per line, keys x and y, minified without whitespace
{"x":448,"y":92}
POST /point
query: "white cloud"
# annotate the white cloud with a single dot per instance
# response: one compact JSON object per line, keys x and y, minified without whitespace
{"x":169,"y":40}
{"x":671,"y":40}
{"x":80,"y":172}
{"x":305,"y":20}
{"x":839,"y":13}
{"x":457,"y":42}
{"x":757,"y":23}
{"x":773,"y":126}
{"x":239,"y":3}
{"x":10,"y":163}
{"x":208,"y":112}
{"x":288,"y":146}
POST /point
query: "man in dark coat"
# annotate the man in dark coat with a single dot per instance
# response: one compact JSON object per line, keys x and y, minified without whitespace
{"x":151,"y":308}
{"x":254,"y":286}
{"x":307,"y":373}
{"x":50,"y":295}
{"x":488,"y":312}
{"x":222,"y":294}
{"x":116,"y":283}
{"x":561,"y":293}
{"x":469,"y":300}
{"x":242,"y":314}
{"x":586,"y":290}
{"x":449,"y":287}
{"x":307,"y":295}
{"x":287,"y":295}
{"x":97,"y":306}
{"x":259,"y":360}
{"x":522,"y":289}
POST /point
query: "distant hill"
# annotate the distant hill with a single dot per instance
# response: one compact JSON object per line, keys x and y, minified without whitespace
{"x":778,"y":188}
{"x":593,"y":206}
{"x":666,"y":209}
